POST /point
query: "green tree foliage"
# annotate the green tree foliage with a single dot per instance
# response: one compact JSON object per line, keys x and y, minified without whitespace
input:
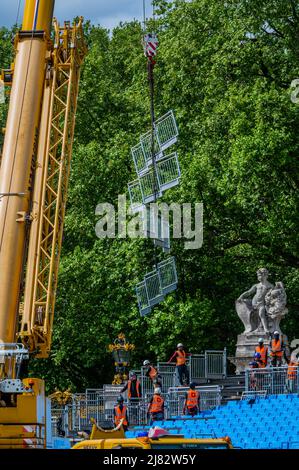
{"x":225,"y":68}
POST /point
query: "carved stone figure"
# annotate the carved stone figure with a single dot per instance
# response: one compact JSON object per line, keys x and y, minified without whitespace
{"x":253,"y":312}
{"x":276,"y":301}
{"x":261,"y":309}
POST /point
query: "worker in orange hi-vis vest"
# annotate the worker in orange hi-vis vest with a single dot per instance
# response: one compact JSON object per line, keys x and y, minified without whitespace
{"x":121,"y":413}
{"x":192,"y":401}
{"x":293,"y":374}
{"x":133,"y":387}
{"x":156,"y":406}
{"x":263,"y":351}
{"x":276,"y":350}
{"x":152,"y":374}
{"x":180,"y":356}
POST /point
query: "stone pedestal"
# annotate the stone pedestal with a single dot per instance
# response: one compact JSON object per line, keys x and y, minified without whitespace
{"x":246,"y":345}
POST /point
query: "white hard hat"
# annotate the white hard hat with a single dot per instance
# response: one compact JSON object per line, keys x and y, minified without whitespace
{"x":261,"y":340}
{"x":157,"y":390}
{"x":180,"y":345}
{"x":276,"y":332}
{"x":146,"y":362}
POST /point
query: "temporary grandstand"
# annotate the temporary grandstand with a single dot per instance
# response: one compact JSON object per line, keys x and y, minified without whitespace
{"x":261,"y":422}
{"x":255,"y":410}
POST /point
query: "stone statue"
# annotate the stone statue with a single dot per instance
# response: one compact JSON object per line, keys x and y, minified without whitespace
{"x":261,"y":309}
{"x":276,"y":301}
{"x":253,"y":312}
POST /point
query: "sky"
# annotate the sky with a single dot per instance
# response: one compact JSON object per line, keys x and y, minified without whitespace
{"x":107,"y":13}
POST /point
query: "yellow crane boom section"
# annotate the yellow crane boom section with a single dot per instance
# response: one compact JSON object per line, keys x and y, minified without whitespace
{"x":34,"y":173}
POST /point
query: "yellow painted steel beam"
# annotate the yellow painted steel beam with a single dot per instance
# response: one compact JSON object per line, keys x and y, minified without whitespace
{"x":50,"y":191}
{"x":18,"y":159}
{"x":38,"y":15}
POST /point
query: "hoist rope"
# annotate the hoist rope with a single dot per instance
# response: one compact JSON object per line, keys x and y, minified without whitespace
{"x":18,"y":12}
{"x":144,"y":15}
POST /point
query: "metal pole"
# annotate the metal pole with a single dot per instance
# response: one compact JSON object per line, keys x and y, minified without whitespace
{"x":150,"y":69}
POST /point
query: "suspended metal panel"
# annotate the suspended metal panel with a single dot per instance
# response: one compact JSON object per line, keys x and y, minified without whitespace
{"x":168,"y":275}
{"x":142,"y":190}
{"x":139,"y":159}
{"x":142,"y":297}
{"x":153,"y":287}
{"x":165,"y":135}
{"x":135,"y":196}
{"x":156,"y":285}
{"x":166,"y":130}
{"x":146,"y":143}
{"x":149,"y":187}
{"x":168,"y":172}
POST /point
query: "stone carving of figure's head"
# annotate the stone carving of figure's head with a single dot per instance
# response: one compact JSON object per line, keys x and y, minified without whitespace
{"x":262,"y":274}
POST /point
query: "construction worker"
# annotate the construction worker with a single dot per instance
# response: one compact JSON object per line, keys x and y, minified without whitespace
{"x":192,"y":401}
{"x":133,"y":386}
{"x":277,"y":350}
{"x":121,"y":413}
{"x":292,"y":373}
{"x":263,"y":351}
{"x":152,"y":373}
{"x":181,"y":368}
{"x":252,"y":377}
{"x":134,"y":394}
{"x":156,"y":406}
{"x":258,"y":360}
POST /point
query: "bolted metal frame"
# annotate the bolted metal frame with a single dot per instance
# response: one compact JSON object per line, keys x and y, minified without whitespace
{"x":68,"y":54}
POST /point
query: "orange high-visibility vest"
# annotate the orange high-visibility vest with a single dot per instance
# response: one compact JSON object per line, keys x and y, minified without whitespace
{"x":153,"y":373}
{"x":192,"y":398}
{"x":137,"y":389}
{"x":120,"y":414}
{"x":263,"y":352}
{"x":180,"y":358}
{"x":292,"y":370}
{"x":157,"y":404}
{"x":276,"y":349}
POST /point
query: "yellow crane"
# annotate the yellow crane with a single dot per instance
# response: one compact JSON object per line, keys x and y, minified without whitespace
{"x":34,"y":176}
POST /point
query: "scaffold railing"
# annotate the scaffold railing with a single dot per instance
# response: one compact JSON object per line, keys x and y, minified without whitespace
{"x":166,"y":130}
{"x":168,"y":172}
{"x":156,"y":284}
{"x":253,"y":394}
{"x":168,"y":275}
{"x":165,"y":135}
{"x":210,"y":397}
{"x":272,"y":380}
{"x":69,"y":419}
{"x":209,"y":365}
{"x":150,"y":185}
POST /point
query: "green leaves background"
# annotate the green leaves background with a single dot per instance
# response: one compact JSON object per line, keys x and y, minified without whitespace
{"x":225,"y":68}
